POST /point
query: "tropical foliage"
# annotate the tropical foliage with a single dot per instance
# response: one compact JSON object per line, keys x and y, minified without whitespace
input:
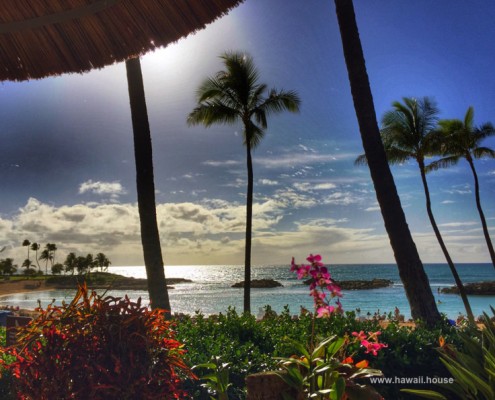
{"x":97,"y":348}
{"x":473,"y":367}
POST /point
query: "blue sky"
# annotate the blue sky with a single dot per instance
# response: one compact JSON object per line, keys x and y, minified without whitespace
{"x":67,"y":166}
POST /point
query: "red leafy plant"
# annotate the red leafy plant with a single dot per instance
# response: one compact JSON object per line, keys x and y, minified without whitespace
{"x":97,"y":348}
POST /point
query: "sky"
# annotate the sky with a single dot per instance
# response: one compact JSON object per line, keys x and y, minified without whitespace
{"x":66,"y":153}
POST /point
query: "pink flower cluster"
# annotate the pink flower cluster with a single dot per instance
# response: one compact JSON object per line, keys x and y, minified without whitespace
{"x":321,"y":285}
{"x":370,"y":342}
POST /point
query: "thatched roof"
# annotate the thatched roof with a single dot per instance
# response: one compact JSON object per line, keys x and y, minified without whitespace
{"x":39,"y":38}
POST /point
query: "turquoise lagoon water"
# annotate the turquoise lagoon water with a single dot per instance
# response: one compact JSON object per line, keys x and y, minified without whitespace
{"x":210,"y":291}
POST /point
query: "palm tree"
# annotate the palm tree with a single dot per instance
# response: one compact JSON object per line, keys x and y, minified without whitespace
{"x":143,"y":152}
{"x":235,"y":95}
{"x":27,"y":243}
{"x":35,"y":247}
{"x":461,"y":139}
{"x":52,"y":248}
{"x":47,"y":256}
{"x":70,"y":263}
{"x":411,"y":270}
{"x":408,"y":132}
{"x":102,"y":261}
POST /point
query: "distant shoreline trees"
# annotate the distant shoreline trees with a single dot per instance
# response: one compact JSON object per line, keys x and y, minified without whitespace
{"x":72,"y":263}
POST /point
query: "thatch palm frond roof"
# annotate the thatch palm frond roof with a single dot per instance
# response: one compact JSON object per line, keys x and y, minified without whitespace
{"x":40,"y":38}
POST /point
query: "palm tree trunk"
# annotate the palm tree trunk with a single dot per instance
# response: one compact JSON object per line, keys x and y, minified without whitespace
{"x":457,"y":279}
{"x":480,"y":211}
{"x":157,"y":285}
{"x":411,"y":269}
{"x":249,"y":224}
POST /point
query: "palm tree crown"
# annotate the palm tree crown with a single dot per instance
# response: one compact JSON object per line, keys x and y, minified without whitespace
{"x":463,"y":140}
{"x":235,"y":95}
{"x":408,"y":130}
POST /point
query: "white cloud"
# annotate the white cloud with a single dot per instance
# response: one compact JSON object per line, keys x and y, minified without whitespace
{"x":458,"y":224}
{"x":267,"y":182}
{"x":308,"y":187}
{"x":226,"y":163}
{"x":447,"y":202}
{"x":297,"y":159}
{"x":112,"y":189}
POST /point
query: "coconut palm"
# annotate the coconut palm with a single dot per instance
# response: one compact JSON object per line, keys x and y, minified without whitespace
{"x":409,"y":132}
{"x":145,"y":188}
{"x":70,"y":263}
{"x":46,"y":256}
{"x":462,"y":139}
{"x":411,"y":270}
{"x":102,"y":261}
{"x":35,"y":247}
{"x":235,"y":95}
{"x":27,"y":244}
{"x":52,"y":248}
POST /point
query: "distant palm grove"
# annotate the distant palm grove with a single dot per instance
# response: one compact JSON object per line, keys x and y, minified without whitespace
{"x":72,"y":264}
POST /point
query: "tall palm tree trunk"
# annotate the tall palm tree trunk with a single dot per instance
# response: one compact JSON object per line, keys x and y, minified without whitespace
{"x":249,"y":225}
{"x":411,"y":269}
{"x":157,"y":285}
{"x":480,"y":211}
{"x":457,"y":279}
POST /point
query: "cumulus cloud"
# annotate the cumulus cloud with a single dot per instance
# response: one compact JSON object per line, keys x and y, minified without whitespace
{"x":267,"y":182}
{"x":112,"y":189}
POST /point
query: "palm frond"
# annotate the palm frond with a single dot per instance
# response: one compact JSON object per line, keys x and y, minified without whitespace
{"x":253,"y":135}
{"x":398,"y":156}
{"x":281,"y":101}
{"x":212,"y":112}
{"x":361,"y":160}
{"x":469,"y":118}
{"x":444,"y":162}
{"x":481,"y":152}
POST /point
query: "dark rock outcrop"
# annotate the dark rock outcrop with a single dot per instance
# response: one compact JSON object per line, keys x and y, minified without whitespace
{"x":360,"y":285}
{"x":477,"y":288}
{"x":259,"y":283}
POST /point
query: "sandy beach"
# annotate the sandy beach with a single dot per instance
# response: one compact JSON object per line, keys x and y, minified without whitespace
{"x":22,"y":286}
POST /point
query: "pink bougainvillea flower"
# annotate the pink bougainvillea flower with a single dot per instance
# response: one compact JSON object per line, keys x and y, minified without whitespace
{"x":325,"y":311}
{"x":334,"y":289}
{"x":315,"y":260}
{"x":303,"y":271}
{"x":360,"y":336}
{"x":372,"y":347}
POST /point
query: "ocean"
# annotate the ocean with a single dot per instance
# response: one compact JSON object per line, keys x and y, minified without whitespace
{"x":210,"y":291}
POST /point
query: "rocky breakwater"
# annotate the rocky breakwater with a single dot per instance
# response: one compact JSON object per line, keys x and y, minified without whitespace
{"x":476,"y":288}
{"x":360,"y":284}
{"x":259,"y":284}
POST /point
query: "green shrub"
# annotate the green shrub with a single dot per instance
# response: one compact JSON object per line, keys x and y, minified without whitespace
{"x":472,"y":367}
{"x":97,"y":348}
{"x":249,"y":345}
